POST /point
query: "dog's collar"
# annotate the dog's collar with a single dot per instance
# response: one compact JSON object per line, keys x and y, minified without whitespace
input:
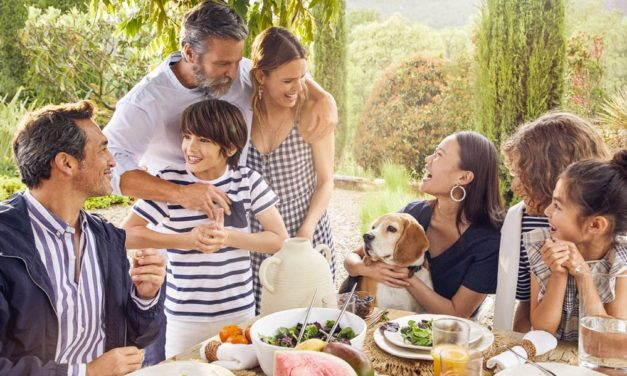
{"x":414,"y":269}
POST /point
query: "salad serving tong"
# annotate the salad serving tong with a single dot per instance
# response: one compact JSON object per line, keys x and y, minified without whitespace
{"x":302,"y":329}
{"x":337,"y":320}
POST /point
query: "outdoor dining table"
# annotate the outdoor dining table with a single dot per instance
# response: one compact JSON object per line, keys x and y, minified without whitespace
{"x":386,"y":364}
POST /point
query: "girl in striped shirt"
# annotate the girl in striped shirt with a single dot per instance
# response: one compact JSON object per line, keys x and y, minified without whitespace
{"x":209,"y":277}
{"x":588,"y":224}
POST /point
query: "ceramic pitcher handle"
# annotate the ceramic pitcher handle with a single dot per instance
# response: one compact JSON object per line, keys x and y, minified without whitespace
{"x":326,"y":251}
{"x":263,"y":270}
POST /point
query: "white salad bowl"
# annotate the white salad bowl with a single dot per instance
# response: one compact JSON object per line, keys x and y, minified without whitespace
{"x":269,"y":325}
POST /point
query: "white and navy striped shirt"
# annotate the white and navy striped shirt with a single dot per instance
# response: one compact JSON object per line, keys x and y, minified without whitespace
{"x":206,"y":287}
{"x":78,"y":304}
{"x":528,"y":223}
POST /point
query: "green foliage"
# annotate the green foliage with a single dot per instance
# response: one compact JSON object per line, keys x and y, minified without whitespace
{"x":391,"y":198}
{"x":72,"y":56}
{"x":330,"y":70}
{"x":411,"y":109}
{"x":374,"y":45}
{"x":10,"y":185}
{"x":613,"y":120}
{"x":13,"y":14}
{"x":521,"y":53}
{"x":11,"y":112}
{"x":163,"y":17}
{"x":104,"y":202}
{"x":594,"y":20}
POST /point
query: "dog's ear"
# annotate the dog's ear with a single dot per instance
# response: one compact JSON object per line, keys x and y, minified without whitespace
{"x":412,"y":243}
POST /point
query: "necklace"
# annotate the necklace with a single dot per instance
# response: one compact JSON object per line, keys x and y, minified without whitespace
{"x":270,"y":136}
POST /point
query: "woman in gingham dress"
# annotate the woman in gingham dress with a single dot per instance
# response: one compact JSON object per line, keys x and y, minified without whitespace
{"x":298,"y":171}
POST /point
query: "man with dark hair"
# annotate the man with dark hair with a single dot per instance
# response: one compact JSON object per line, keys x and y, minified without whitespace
{"x":67,"y":302}
{"x":145,"y":128}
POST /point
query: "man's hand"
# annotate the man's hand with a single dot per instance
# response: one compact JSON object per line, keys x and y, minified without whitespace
{"x":203,"y":197}
{"x":210,"y":237}
{"x":319,"y":118}
{"x":116,"y":362}
{"x":148,"y":272}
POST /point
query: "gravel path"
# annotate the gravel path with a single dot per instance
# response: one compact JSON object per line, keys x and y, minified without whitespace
{"x":343,"y":212}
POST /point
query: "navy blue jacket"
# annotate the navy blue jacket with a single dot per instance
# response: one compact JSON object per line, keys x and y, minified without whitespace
{"x":28,"y":322}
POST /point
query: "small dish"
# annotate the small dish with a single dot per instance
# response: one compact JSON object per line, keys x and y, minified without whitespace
{"x":396,"y":338}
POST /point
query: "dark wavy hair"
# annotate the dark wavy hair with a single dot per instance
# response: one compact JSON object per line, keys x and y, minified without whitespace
{"x":42,"y":134}
{"x":600,"y":188}
{"x":218,"y":121}
{"x":483,"y":204}
{"x":542,"y":149}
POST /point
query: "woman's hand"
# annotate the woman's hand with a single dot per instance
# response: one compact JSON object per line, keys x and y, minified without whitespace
{"x":555,"y":254}
{"x":393,"y":276}
{"x":305,"y":232}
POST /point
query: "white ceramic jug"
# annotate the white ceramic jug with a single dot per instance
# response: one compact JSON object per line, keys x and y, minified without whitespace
{"x":290,"y":277}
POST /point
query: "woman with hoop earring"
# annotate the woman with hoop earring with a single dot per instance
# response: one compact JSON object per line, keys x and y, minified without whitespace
{"x":462,"y":223}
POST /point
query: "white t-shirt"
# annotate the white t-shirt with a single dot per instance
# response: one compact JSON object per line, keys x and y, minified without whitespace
{"x":145,"y":129}
{"x":206,"y":287}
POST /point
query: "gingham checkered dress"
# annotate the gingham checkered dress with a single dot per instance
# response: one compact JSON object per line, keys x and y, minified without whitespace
{"x":289,"y":171}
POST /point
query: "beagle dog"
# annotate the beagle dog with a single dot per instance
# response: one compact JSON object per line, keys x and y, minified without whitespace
{"x":396,"y":239}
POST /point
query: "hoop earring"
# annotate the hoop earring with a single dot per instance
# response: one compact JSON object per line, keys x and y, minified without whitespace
{"x":463,"y":193}
{"x":260,"y":92}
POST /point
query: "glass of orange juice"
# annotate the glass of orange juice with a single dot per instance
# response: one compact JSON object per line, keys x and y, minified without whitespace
{"x":451,"y":335}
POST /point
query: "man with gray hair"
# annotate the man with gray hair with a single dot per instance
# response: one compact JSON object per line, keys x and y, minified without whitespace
{"x":68,"y":304}
{"x":145,"y":128}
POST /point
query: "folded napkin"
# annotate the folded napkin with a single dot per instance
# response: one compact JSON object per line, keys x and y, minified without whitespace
{"x":228,"y":355}
{"x":536,"y":342}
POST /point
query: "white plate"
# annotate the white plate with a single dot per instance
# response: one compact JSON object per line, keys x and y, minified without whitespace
{"x":186,"y":367}
{"x":487,"y":338}
{"x":396,"y":338}
{"x":558,"y":368}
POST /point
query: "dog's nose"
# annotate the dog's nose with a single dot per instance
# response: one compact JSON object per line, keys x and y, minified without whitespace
{"x":368,"y":237}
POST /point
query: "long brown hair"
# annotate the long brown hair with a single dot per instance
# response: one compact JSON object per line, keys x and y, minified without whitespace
{"x":543,"y":148}
{"x":272,"y":48}
{"x":482,"y":204}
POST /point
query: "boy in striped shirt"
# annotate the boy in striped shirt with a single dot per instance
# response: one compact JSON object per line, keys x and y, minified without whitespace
{"x":209,"y":276}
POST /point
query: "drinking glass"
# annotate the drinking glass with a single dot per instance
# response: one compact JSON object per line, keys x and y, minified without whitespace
{"x":460,"y":363}
{"x":453,"y":336}
{"x":602,"y":338}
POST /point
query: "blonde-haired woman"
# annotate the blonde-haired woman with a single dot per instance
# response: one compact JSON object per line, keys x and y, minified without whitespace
{"x":298,"y":171}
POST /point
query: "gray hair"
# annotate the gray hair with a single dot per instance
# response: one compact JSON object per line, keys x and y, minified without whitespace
{"x":46,"y":132}
{"x":211,"y":19}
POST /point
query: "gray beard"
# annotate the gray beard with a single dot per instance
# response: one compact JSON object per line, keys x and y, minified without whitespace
{"x":210,"y":87}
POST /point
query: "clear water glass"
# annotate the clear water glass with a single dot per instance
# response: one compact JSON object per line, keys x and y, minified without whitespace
{"x":602,"y":338}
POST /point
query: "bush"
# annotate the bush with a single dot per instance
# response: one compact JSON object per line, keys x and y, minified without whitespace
{"x":410,"y":110}
{"x":10,"y":185}
{"x":75,"y":56}
{"x":394,"y":196}
{"x":612,"y":121}
{"x":10,"y":114}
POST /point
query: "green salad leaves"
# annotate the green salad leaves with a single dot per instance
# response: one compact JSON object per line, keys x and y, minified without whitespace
{"x":417,"y":333}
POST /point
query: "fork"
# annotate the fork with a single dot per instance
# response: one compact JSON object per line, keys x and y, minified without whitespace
{"x":544,"y":370}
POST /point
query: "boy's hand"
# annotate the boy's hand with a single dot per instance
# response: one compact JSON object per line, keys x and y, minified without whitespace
{"x":148,"y":272}
{"x":555,"y":254}
{"x":211,"y":237}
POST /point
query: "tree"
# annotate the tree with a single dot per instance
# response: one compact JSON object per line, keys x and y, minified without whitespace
{"x":521,"y":54}
{"x":164,"y":16}
{"x":13,"y":14}
{"x":330,"y":69}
